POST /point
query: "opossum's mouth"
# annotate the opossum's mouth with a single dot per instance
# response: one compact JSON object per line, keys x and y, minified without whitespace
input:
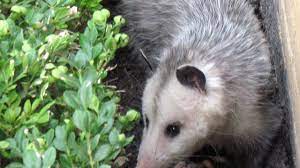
{"x":207,"y":151}
{"x":217,"y":157}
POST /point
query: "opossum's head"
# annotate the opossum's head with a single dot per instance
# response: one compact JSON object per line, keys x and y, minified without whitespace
{"x":180,"y":109}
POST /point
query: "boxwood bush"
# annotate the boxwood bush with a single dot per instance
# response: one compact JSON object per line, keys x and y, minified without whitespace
{"x":55,"y":108}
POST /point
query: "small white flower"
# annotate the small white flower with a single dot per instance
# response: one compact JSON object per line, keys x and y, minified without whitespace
{"x":44,"y":28}
{"x":73,"y":10}
{"x":45,"y":56}
{"x":26,"y":131}
{"x":38,"y":154}
{"x":63,"y":33}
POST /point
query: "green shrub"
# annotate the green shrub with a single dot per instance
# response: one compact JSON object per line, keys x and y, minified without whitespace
{"x":55,"y":109}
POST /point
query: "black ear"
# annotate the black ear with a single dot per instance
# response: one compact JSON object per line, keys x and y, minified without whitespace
{"x":191,"y":77}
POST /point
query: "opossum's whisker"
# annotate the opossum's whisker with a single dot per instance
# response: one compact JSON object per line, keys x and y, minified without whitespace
{"x":223,"y":133}
{"x":146,"y":59}
{"x":194,"y":156}
{"x":234,"y":109}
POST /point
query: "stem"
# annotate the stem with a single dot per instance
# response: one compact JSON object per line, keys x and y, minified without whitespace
{"x":70,"y":158}
{"x":90,"y":150}
{"x":6,"y":130}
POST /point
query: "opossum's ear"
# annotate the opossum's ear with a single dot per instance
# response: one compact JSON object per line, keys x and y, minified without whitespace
{"x":191,"y":76}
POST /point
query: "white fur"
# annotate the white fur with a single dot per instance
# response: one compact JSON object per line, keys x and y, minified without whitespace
{"x":180,"y":103}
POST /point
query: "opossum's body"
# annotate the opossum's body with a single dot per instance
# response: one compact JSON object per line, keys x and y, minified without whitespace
{"x":210,"y":83}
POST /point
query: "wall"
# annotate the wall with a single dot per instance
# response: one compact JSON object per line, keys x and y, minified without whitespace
{"x":289,"y":31}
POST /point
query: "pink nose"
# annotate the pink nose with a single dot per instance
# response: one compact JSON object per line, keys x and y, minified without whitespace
{"x":146,"y":162}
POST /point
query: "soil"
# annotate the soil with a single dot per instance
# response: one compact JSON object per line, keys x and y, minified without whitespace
{"x":129,"y":77}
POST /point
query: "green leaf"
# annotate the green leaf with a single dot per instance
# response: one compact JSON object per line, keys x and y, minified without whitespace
{"x":91,"y":33}
{"x":21,"y":142}
{"x":59,"y":42}
{"x":86,"y":44}
{"x":49,"y":66}
{"x":97,"y":50}
{"x":43,"y":90}
{"x":86,"y":93}
{"x":19,"y":9}
{"x":65,"y":161}
{"x":100,"y":17}
{"x":90,"y":75}
{"x":115,"y":154}
{"x":71,"y":141}
{"x":59,"y":72}
{"x":122,"y":138}
{"x":11,"y":114}
{"x":4,"y":144}
{"x":108,"y":125}
{"x":15,"y":165}
{"x":133,"y":115}
{"x":105,"y":166}
{"x":81,"y":120}
{"x":35,"y":104}
{"x":123,"y":40}
{"x":95,"y":103}
{"x":61,"y":13}
{"x":27,"y":106}
{"x":42,"y":117}
{"x":47,"y":107}
{"x":114,"y":137}
{"x":103,"y":152}
{"x":95,"y":141}
{"x":111,"y":43}
{"x":49,"y":136}
{"x":128,"y":141}
{"x":71,"y":81}
{"x":4,"y":28}
{"x":30,"y":54}
{"x":49,"y":157}
{"x":107,"y":110}
{"x":19,"y":40}
{"x":60,"y":138}
{"x":31,"y":159}
{"x":80,"y":59}
{"x":70,"y":98}
{"x":119,"y":20}
{"x":32,"y":17}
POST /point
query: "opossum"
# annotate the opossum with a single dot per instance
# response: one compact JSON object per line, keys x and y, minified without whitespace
{"x":210,"y":84}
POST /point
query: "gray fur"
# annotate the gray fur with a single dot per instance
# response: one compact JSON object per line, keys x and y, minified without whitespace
{"x":223,"y":32}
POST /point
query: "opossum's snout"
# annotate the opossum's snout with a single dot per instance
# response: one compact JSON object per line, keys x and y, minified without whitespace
{"x":145,"y":161}
{"x":154,"y":148}
{"x":159,"y":148}
{"x":149,"y":160}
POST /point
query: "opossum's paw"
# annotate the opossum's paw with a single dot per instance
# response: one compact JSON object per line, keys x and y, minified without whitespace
{"x":184,"y":165}
{"x":204,"y":164}
{"x":180,"y":165}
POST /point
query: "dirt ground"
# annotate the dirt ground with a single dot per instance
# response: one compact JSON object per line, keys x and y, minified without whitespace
{"x":129,"y":77}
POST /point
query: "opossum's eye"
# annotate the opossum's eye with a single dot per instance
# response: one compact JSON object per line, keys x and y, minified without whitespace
{"x":172,"y":130}
{"x":146,"y":122}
